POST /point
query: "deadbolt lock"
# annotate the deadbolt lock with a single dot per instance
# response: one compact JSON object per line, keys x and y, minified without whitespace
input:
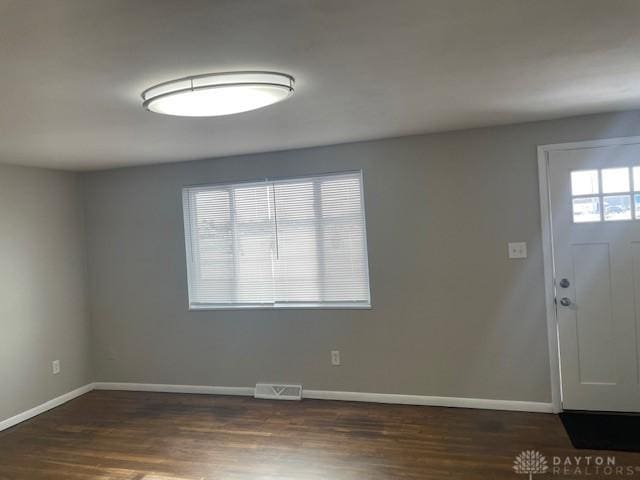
{"x":565,"y":302}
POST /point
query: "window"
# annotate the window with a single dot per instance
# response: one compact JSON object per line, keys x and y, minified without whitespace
{"x":605,"y":194}
{"x":299,"y":242}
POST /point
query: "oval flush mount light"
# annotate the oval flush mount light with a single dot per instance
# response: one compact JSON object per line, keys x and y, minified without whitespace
{"x":215,"y":94}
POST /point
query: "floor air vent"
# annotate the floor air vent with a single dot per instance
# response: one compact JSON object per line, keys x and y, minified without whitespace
{"x":278,"y":391}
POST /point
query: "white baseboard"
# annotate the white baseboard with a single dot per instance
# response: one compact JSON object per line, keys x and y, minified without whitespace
{"x":478,"y":403}
{"x":159,"y":387}
{"x":21,"y":417}
{"x":459,"y":402}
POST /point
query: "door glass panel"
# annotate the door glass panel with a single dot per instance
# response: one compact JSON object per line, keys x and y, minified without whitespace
{"x":586,"y":209}
{"x":615,"y":180}
{"x":636,"y":179}
{"x":617,"y":207}
{"x":585,"y":182}
{"x":637,"y":204}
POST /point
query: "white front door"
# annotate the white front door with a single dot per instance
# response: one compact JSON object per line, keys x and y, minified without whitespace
{"x":595,"y":218}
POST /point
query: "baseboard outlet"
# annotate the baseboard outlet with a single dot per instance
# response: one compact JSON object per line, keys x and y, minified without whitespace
{"x":53,"y":403}
{"x":274,"y":391}
{"x":459,"y":402}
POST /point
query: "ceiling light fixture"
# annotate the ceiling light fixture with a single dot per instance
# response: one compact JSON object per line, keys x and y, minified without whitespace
{"x":215,"y":94}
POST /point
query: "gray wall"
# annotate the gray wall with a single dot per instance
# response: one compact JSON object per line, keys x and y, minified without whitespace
{"x":43,"y":314}
{"x":452,"y":315}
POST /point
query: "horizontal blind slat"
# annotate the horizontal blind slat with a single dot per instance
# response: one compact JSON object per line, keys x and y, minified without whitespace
{"x":289,"y":242}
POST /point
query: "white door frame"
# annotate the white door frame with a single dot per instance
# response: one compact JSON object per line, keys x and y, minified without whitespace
{"x":547,"y":251}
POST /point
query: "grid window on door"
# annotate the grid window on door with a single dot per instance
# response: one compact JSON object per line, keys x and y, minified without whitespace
{"x":606,"y":194}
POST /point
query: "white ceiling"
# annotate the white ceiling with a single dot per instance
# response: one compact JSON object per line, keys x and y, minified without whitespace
{"x":72,"y":71}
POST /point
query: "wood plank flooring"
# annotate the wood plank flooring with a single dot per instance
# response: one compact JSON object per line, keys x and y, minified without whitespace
{"x":157,"y":436}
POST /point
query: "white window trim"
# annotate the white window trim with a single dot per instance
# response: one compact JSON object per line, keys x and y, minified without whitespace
{"x":190,"y":263}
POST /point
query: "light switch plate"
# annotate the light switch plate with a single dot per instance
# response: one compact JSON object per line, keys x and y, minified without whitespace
{"x":517,"y":249}
{"x":335,"y":358}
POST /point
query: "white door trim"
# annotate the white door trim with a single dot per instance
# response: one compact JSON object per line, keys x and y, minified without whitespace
{"x":547,"y":251}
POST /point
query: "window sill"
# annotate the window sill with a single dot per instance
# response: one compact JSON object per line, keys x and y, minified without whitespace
{"x":306,"y":306}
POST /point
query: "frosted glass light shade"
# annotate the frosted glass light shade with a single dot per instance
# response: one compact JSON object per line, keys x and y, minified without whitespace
{"x":217,"y":94}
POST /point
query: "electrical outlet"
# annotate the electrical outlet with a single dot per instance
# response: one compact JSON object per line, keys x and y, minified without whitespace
{"x":518,"y":250}
{"x":335,"y":357}
{"x":55,"y":367}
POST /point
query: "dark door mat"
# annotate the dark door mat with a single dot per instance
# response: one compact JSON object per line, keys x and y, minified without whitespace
{"x":603,"y":431}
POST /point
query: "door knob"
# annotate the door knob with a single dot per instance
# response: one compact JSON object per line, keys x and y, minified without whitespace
{"x":565,"y":301}
{"x":564,"y":283}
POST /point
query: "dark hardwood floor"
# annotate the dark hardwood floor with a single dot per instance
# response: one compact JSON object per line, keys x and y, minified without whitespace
{"x":157,"y":436}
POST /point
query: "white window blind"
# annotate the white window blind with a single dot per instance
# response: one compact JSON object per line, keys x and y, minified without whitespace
{"x":299,"y":242}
